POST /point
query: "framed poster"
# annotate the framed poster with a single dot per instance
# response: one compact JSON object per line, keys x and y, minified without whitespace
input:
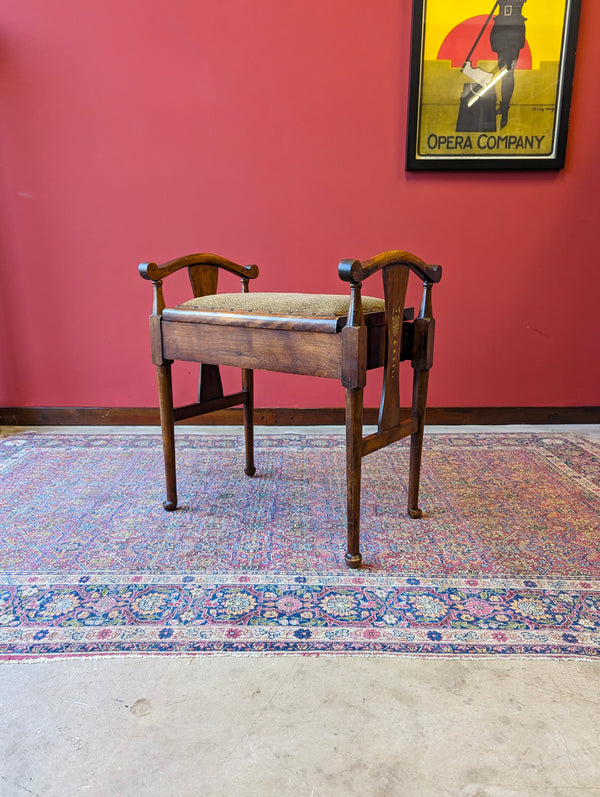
{"x":490,"y":83}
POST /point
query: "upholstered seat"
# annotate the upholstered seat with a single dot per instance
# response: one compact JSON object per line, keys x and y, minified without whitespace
{"x":325,"y":335}
{"x":323,"y":311}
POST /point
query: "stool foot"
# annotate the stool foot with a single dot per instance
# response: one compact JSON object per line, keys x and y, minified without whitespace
{"x":415,"y":514}
{"x":170,"y":506}
{"x":353,"y":560}
{"x":250,"y":471}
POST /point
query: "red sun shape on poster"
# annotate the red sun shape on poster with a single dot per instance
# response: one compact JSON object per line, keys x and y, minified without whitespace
{"x":457,"y":45}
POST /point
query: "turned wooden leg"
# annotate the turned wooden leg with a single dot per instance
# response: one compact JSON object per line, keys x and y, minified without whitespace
{"x":354,"y":418}
{"x":421,"y":379}
{"x":167,"y":423}
{"x":248,"y":388}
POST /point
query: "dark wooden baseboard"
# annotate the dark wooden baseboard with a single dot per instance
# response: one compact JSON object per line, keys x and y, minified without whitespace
{"x":284,"y":416}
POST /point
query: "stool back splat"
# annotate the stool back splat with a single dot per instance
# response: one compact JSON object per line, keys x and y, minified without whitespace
{"x":332,"y":336}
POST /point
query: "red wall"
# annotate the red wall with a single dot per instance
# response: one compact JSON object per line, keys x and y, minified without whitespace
{"x":269,"y":131}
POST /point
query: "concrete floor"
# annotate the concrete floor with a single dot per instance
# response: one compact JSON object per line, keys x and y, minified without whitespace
{"x":301,"y":726}
{"x":295,"y":725}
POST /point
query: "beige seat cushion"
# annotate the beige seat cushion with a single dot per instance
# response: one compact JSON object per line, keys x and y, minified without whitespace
{"x":314,"y":311}
{"x":305,"y":305}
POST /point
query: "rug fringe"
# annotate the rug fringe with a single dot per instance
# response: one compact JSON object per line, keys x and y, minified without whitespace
{"x":451,"y":657}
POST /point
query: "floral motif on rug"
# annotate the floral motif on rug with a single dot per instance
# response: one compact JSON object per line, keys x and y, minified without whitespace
{"x":505,"y":561}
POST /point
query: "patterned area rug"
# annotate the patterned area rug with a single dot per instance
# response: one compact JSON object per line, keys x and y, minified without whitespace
{"x":505,"y":561}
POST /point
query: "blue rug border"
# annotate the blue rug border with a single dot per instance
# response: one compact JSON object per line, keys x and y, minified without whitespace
{"x":575,"y":636}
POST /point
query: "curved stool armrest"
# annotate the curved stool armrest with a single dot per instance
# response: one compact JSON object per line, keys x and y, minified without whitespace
{"x":355,"y":271}
{"x":152,"y":271}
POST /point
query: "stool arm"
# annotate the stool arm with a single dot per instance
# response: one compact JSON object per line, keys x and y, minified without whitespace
{"x":152,"y":271}
{"x":355,"y":271}
{"x":202,"y":271}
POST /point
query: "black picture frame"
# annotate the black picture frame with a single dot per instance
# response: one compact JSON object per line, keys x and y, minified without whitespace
{"x":458,"y":55}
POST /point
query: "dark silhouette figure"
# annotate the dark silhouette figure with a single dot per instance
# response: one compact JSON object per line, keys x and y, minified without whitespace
{"x":508,"y":39}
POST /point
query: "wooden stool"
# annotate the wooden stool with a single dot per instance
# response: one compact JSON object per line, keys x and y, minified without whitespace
{"x":335,"y":336}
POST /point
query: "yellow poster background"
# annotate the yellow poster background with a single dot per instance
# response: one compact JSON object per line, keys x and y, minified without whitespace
{"x":531,"y":126}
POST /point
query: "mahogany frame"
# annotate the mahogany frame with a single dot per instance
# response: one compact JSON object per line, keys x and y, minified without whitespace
{"x":306,"y":346}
